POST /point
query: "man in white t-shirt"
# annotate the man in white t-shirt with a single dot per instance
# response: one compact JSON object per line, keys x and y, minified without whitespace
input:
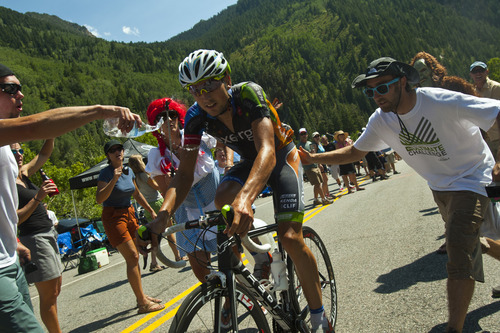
{"x":427,"y":127}
{"x":16,"y":311}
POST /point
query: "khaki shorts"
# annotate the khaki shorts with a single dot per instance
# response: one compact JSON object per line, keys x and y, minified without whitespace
{"x":314,"y":176}
{"x":390,"y":158}
{"x":119,"y":224}
{"x":462,"y":212}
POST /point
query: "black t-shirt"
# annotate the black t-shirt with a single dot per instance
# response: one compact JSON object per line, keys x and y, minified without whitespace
{"x":39,"y":221}
{"x":330,"y":146}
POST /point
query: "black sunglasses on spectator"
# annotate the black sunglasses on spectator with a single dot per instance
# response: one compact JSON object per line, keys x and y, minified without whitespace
{"x":172,"y":114}
{"x":10,"y":88}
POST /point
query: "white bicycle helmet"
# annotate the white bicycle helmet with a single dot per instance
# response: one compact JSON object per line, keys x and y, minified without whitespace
{"x":200,"y":65}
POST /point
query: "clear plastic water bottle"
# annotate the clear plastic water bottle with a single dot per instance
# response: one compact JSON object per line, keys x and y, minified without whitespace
{"x":278,"y":269}
{"x":110,"y":127}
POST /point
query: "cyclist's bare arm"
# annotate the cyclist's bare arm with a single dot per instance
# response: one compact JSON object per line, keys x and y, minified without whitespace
{"x":178,"y":189}
{"x":259,"y":174}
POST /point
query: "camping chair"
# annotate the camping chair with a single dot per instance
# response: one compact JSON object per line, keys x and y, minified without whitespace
{"x":100,"y":230}
{"x":91,"y":239}
{"x":69,"y":252}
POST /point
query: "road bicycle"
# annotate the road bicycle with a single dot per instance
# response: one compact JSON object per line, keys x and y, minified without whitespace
{"x":249,"y":298}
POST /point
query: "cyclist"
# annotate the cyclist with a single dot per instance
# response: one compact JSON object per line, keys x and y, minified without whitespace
{"x":240,"y":117}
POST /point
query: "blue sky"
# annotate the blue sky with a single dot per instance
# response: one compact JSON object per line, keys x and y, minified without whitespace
{"x":127,"y":20}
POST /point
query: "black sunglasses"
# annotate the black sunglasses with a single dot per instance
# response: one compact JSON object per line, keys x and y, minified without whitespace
{"x":165,"y":115}
{"x":114,"y":149}
{"x":10,"y":88}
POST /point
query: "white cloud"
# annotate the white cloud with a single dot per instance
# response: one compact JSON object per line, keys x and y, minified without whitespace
{"x":130,"y":31}
{"x":92,"y":30}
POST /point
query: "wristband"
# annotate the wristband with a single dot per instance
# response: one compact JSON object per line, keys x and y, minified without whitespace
{"x":34,"y":198}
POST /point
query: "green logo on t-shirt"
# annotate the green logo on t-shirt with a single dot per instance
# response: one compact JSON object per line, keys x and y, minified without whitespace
{"x":423,"y":141}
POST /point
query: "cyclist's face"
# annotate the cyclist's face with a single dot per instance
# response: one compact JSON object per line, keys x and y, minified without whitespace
{"x":216,"y":101}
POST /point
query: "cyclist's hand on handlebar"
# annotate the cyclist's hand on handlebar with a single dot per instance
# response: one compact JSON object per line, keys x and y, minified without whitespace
{"x":243,"y":218}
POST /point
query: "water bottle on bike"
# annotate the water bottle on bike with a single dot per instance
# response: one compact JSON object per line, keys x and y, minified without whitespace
{"x":278,"y":269}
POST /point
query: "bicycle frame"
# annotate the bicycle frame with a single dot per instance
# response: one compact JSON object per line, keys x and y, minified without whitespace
{"x":231,"y":269}
{"x":234,"y":270}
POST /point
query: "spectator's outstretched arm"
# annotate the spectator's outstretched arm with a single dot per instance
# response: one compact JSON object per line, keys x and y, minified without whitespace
{"x":55,"y":122}
{"x":339,"y":156}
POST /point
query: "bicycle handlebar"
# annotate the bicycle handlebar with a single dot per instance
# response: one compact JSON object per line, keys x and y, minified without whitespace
{"x":209,"y":221}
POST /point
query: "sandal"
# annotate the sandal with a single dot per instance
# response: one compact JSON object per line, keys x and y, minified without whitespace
{"x":151,"y":299}
{"x":156,"y":268}
{"x":150,"y":307}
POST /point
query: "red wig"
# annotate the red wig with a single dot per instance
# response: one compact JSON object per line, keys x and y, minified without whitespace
{"x":158,"y":106}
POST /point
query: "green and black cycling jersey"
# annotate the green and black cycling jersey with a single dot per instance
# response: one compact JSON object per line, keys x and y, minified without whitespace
{"x":249,"y":103}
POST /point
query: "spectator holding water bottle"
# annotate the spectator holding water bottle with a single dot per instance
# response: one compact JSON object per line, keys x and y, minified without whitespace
{"x":37,"y":233}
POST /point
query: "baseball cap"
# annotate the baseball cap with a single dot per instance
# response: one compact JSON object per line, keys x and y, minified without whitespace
{"x":5,"y":71}
{"x":478,"y":64}
{"x":110,"y":144}
{"x":315,"y":133}
{"x":387,"y":66}
{"x":302,"y":130}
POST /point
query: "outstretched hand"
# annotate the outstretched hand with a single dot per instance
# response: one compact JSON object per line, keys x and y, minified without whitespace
{"x":305,"y":156}
{"x":127,"y":119}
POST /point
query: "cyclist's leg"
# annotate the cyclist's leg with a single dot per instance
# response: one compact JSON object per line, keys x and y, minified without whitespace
{"x":198,"y":260}
{"x":288,"y":195}
{"x":231,"y":185}
{"x":290,"y":234}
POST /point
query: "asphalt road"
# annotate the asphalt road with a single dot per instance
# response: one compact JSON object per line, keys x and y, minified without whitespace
{"x":382,"y":243}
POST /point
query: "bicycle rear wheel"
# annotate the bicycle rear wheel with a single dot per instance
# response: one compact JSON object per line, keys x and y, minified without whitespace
{"x":326,"y":279}
{"x":200,"y":309}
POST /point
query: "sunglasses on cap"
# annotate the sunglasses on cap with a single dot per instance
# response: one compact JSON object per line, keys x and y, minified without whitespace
{"x":381,"y":89}
{"x":10,"y":88}
{"x":166,"y":115}
{"x":478,"y":70}
{"x":18,"y":151}
{"x":206,"y":86}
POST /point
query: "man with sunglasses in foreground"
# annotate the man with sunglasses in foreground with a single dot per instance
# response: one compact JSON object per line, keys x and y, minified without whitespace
{"x":437,"y":132}
{"x":16,"y":310}
{"x":240,"y":117}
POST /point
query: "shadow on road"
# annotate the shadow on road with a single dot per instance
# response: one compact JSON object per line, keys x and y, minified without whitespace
{"x":472,"y":320}
{"x":106,"y":288}
{"x":431,"y":267}
{"x":429,"y":211}
{"x":100,"y":324}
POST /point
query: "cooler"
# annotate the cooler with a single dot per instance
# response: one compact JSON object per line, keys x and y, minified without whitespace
{"x":101,"y":254}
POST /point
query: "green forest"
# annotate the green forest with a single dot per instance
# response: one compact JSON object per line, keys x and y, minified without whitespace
{"x":305,"y":53}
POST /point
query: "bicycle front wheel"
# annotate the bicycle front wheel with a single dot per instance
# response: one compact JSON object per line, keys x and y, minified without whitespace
{"x":326,"y":279}
{"x":198,"y":313}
